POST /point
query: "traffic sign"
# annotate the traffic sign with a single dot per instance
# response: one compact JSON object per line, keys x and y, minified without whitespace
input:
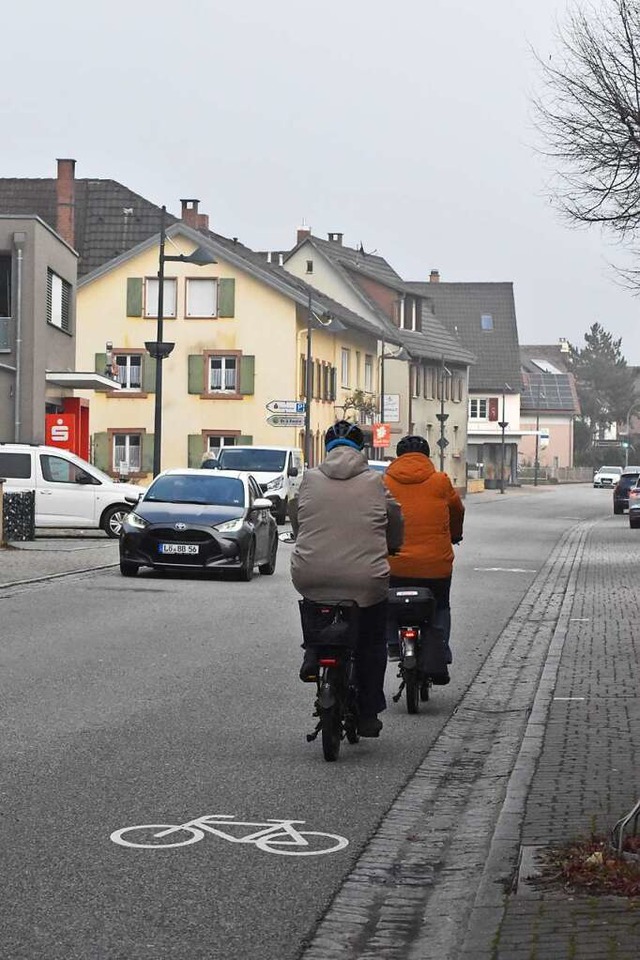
{"x":286,"y":406}
{"x":381,"y":434}
{"x":286,"y":420}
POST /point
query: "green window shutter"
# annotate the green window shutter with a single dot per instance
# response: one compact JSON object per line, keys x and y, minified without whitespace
{"x":148,"y":441}
{"x":101,"y":451}
{"x":226,"y":298}
{"x":246,"y":440}
{"x":134,"y":296}
{"x":196,"y":373}
{"x":148,"y":374}
{"x":101,"y":363}
{"x":247,"y":373}
{"x":195,"y":449}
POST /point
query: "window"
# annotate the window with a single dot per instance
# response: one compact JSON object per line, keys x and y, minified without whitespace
{"x":215,"y":443}
{"x":345,"y":360}
{"x":368,"y":373}
{"x":129,"y":370}
{"x":415,"y":381}
{"x":309,"y":266}
{"x":202,"y":298}
{"x":15,"y":465}
{"x":5,"y":286}
{"x":486,"y":321}
{"x":60,"y":470}
{"x":127,"y":449}
{"x":358,"y":365}
{"x":223,"y":374}
{"x":477,"y":409}
{"x":58,"y":302}
{"x":151,"y":298}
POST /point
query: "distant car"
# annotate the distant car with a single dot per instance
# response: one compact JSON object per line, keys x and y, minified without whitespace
{"x":634,"y":507}
{"x":628,"y":478}
{"x":607,"y":476}
{"x":200,"y":520}
{"x":379,"y":465}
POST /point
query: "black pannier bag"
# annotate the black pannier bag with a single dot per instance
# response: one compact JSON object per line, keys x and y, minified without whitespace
{"x":412,"y":607}
{"x":329,"y":623}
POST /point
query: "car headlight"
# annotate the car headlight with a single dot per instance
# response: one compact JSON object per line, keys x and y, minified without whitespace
{"x":274,"y":484}
{"x":230,"y":526}
{"x":134,"y":520}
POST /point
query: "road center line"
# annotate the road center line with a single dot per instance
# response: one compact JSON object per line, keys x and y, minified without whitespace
{"x":503,"y":570}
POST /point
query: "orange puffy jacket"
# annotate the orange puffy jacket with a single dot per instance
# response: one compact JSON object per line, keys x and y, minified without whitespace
{"x":433,"y":517}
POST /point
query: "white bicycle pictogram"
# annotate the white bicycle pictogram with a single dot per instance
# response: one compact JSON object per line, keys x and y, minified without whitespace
{"x":274,"y":836}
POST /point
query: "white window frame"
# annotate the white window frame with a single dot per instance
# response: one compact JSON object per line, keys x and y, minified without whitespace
{"x":345,"y":367}
{"x":368,"y":372}
{"x":223,"y":360}
{"x":132,"y":442}
{"x":170,"y":304}
{"x":476,"y":403}
{"x":193,"y":283}
{"x":124,"y":378}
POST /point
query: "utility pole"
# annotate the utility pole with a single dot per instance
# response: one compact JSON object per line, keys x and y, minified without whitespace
{"x":443,"y":443}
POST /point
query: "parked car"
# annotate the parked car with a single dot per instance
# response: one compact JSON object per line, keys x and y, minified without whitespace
{"x":201,"y":520}
{"x":634,"y":506}
{"x":606,"y":476}
{"x":278,"y":470}
{"x":69,"y":491}
{"x":628,"y":479}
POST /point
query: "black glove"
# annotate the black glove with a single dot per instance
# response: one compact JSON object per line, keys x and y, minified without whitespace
{"x":459,"y":540}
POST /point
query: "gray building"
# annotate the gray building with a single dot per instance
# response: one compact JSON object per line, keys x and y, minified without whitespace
{"x":38,"y":273}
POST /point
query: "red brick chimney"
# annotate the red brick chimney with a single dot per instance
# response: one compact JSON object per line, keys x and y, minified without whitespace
{"x":66,"y":201}
{"x":190,"y":215}
{"x":302,"y":234}
{"x":434,"y":276}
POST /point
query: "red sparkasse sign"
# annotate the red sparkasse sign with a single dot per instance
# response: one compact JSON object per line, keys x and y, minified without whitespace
{"x":60,"y":430}
{"x":381,"y":434}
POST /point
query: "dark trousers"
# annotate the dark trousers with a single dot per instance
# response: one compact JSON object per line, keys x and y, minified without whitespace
{"x":440,"y":588}
{"x":371,"y":659}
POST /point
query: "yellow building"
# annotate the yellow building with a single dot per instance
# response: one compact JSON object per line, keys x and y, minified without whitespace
{"x":239,"y":326}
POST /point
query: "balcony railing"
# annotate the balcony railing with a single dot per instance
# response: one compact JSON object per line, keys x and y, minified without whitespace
{"x":5,"y":343}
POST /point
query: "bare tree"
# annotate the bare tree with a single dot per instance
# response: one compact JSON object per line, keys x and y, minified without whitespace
{"x":589,"y":114}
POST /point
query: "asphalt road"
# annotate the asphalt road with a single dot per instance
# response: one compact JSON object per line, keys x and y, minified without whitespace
{"x":162,"y":699}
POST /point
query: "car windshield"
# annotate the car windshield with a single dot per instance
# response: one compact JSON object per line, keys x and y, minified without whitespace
{"x":188,"y":488}
{"x":610,"y":470}
{"x":255,"y":460}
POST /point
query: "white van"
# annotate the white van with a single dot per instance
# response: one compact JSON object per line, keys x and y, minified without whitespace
{"x":69,"y":491}
{"x":278,"y":470}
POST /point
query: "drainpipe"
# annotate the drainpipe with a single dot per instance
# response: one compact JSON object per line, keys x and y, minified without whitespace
{"x":19,"y":240}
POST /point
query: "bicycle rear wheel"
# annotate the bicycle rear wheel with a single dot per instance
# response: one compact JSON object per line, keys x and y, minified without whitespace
{"x":412,"y":690}
{"x":331,"y":727}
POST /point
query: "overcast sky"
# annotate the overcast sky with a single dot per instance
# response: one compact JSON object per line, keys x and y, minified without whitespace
{"x":406,"y":125}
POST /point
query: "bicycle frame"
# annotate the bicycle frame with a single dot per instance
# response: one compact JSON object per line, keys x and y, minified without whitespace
{"x":209,"y":822}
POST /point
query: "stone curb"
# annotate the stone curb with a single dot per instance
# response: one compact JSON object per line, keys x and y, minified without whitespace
{"x":55,"y":576}
{"x":490,"y":902}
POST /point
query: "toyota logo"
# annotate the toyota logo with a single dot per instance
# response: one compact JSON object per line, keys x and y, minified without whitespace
{"x":180,"y":526}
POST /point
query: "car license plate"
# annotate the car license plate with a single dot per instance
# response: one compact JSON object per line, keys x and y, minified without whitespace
{"x":179,"y":548}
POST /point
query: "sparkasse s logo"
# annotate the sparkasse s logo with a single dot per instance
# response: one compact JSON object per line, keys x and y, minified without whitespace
{"x":60,"y":432}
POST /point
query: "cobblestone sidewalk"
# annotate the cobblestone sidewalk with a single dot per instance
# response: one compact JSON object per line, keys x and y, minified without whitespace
{"x":587,"y":775}
{"x":54,"y":556}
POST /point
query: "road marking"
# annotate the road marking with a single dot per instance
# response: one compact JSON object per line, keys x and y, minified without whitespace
{"x":503,"y":570}
{"x":569,"y":698}
{"x":275,"y":836}
{"x":579,"y":619}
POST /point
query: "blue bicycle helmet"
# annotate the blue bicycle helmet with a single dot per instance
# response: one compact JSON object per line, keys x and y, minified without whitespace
{"x":344,"y":434}
{"x":413,"y":444}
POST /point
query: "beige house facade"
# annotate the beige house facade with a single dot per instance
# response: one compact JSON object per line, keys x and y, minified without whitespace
{"x":239,"y":327}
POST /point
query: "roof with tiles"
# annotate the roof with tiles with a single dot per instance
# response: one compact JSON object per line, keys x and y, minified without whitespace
{"x":482,"y":316}
{"x":109,"y":218}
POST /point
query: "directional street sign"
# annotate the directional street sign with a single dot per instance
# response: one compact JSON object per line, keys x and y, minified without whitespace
{"x":286,"y":420}
{"x":286,"y":406}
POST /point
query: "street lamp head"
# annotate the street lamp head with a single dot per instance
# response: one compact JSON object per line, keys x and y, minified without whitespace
{"x":201,"y":257}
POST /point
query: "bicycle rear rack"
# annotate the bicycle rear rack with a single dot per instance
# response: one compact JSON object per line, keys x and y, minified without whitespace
{"x":617,"y":834}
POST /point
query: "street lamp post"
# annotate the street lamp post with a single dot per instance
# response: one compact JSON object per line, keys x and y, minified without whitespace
{"x":503,"y":424}
{"x":443,"y":443}
{"x":401,"y":354}
{"x":159,"y":349}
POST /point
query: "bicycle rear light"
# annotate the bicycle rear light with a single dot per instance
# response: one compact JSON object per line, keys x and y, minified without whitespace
{"x":328,"y":661}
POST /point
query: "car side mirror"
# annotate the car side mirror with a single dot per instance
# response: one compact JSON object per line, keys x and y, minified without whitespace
{"x":261,"y":503}
{"x":292,"y":472}
{"x":133,"y":500}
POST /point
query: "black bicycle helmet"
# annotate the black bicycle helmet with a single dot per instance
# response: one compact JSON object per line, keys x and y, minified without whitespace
{"x":413,"y":444}
{"x":343,"y":433}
